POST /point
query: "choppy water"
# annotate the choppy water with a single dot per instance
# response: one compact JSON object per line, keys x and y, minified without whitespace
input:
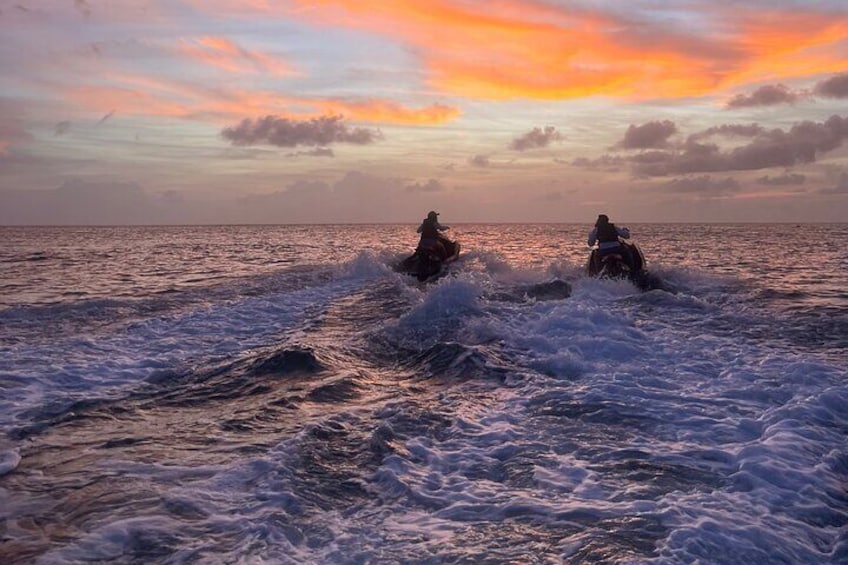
{"x":281,"y":395}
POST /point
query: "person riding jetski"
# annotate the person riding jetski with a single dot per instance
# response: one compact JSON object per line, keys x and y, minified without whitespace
{"x":430,"y":236}
{"x":608,"y":236}
{"x":610,"y":243}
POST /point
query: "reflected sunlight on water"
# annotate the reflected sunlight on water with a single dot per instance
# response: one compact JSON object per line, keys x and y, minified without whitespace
{"x":50,"y":265}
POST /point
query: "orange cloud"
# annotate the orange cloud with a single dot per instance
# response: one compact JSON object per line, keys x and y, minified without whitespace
{"x":521,"y":49}
{"x":783,"y":44}
{"x":157,"y":95}
{"x":511,"y":48}
{"x":141,"y":95}
{"x":222,"y":53}
{"x":386,"y":111}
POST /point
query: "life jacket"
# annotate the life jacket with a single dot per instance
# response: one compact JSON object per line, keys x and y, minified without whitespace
{"x":428,"y":229}
{"x":607,"y":232}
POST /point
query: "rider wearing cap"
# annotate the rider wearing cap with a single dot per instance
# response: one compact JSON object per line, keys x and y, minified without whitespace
{"x":429,"y":230}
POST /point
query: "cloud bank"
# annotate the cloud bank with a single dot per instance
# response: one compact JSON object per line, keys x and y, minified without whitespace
{"x":841,"y":187}
{"x":788,"y":179}
{"x":802,"y":143}
{"x":704,"y":186}
{"x":775,"y":94}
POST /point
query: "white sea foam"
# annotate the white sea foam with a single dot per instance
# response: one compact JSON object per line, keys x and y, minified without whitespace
{"x":80,"y":367}
{"x":730,"y":407}
{"x":710,"y":404}
{"x":608,"y":407}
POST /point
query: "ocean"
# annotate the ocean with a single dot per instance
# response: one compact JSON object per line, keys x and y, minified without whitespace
{"x":279,"y":394}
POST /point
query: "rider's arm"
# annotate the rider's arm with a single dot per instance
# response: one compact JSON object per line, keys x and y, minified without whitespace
{"x":441,"y":227}
{"x":593,"y":237}
{"x":623,"y":232}
{"x":421,"y":227}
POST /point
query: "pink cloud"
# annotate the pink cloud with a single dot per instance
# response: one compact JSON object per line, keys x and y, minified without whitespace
{"x":227,"y":55}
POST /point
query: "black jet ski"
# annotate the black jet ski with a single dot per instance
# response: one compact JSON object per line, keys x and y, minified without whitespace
{"x":430,"y":259}
{"x":629,"y":264}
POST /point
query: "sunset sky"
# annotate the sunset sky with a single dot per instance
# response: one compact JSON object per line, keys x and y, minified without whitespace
{"x":263,"y":111}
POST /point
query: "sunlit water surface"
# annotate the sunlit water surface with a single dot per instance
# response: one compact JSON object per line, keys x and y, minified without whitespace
{"x":279,"y":394}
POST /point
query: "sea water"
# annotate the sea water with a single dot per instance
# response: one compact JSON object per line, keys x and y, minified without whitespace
{"x":279,"y":394}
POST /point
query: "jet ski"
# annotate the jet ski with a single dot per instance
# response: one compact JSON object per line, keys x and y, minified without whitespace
{"x":430,"y":259}
{"x":628,"y":263}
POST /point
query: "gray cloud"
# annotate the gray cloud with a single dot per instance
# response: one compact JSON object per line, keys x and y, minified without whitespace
{"x":769,"y":95}
{"x":651,"y":157}
{"x":12,"y":132}
{"x":356,"y":197}
{"x":82,"y":202}
{"x":313,"y":188}
{"x":774,"y":94}
{"x":834,"y":87}
{"x":106,"y":117}
{"x":431,"y":185}
{"x":283,"y":132}
{"x":479,"y":161}
{"x":788,"y":179}
{"x":62,"y":128}
{"x":703,"y":185}
{"x":609,"y":163}
{"x":802,"y":143}
{"x":551,"y":196}
{"x":317,"y":152}
{"x":840,"y":188}
{"x":83,"y":7}
{"x":652,"y":135}
{"x":730,"y":130}
{"x":535,"y":138}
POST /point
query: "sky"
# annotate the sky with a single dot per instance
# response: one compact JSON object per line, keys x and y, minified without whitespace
{"x":355,"y":111}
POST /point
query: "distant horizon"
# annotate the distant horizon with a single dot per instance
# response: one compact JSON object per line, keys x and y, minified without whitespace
{"x":521,"y":111}
{"x":413,"y":224}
